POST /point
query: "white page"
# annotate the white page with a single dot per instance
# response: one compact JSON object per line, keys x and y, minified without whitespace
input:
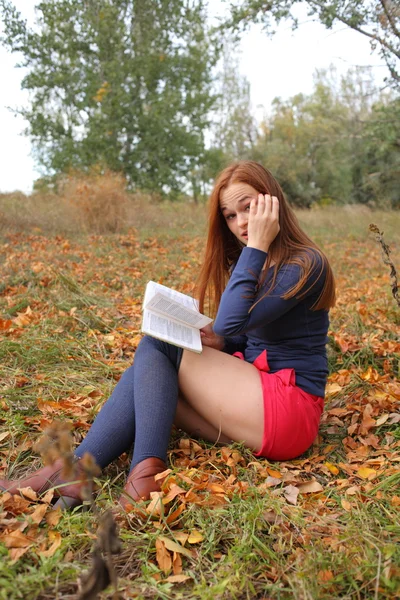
{"x":170,"y":308}
{"x":153,"y":288}
{"x":171,"y":331}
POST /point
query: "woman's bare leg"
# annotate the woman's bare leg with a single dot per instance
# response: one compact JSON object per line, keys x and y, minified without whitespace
{"x":187,"y":419}
{"x":226,"y":392}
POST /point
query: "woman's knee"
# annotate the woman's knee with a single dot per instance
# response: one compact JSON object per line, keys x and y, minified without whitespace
{"x":150,"y":344}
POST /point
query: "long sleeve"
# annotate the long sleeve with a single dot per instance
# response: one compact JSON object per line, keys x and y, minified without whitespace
{"x":233,"y":316}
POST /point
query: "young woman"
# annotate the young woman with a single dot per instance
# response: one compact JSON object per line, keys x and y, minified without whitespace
{"x":261,"y":376}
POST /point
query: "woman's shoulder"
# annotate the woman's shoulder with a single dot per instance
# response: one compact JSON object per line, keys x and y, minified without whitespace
{"x":309,"y":259}
{"x":308,"y":266}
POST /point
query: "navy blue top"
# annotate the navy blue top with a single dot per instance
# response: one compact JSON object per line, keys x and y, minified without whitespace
{"x":293,"y":335}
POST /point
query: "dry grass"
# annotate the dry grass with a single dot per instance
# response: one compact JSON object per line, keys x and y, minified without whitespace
{"x":94,"y":203}
{"x":70,"y":313}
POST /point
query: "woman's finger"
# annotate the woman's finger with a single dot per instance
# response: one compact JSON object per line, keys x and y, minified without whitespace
{"x":275,"y":207}
{"x":268,"y":203}
{"x":253,"y":206}
{"x":260,"y":204}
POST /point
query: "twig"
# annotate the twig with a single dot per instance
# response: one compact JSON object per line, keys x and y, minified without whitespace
{"x":386,"y":259}
{"x":55,"y":443}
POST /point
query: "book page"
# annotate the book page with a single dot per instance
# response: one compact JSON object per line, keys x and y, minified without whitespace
{"x":171,"y":331}
{"x":153,"y":288}
{"x":169,"y":307}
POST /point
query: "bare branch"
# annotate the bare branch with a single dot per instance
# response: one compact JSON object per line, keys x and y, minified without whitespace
{"x":386,"y":259}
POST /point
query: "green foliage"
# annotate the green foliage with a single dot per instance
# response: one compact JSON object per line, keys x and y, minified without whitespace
{"x":378,"y":20}
{"x":341,"y":143}
{"x":122,"y":83}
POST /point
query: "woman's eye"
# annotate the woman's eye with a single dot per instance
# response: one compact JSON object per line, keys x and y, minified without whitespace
{"x":247,"y":207}
{"x":229,"y":217}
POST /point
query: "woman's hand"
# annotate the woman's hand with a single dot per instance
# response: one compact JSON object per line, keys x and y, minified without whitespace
{"x":211,"y":339}
{"x":263,"y":224}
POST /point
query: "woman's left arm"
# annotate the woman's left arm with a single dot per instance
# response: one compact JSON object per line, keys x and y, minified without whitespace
{"x":240,"y":294}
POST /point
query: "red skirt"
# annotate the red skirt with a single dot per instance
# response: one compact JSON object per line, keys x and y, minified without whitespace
{"x":291,"y":415}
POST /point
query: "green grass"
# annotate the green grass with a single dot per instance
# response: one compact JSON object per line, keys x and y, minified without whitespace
{"x":85,"y":296}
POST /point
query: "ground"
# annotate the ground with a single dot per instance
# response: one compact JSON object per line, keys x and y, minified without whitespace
{"x":230,"y":526}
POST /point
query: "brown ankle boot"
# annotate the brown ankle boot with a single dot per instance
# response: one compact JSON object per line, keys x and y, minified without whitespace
{"x":69,"y":494}
{"x":141,"y":481}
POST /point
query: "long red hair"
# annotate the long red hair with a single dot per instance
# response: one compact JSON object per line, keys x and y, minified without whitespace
{"x":291,"y":245}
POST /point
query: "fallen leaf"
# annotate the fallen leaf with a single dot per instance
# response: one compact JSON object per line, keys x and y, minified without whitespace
{"x":346,"y":505}
{"x":195,"y":537}
{"x":38,"y":513}
{"x":291,"y":492}
{"x":16,"y":553}
{"x":175,"y":514}
{"x":176,"y":563}
{"x":367,"y":421}
{"x":29,"y":493}
{"x":366,"y":473}
{"x":4,"y":435}
{"x":310,"y":487}
{"x":5,"y":324}
{"x":272,"y":481}
{"x":174,"y":547}
{"x":332,"y":468}
{"x":16,"y":539}
{"x":177,"y":578}
{"x":163,"y":556}
{"x":55,"y":538}
{"x":274,"y":473}
{"x":155,"y":507}
{"x":333,"y":388}
{"x":325,"y":576}
{"x":53,"y":517}
{"x":382,"y":420}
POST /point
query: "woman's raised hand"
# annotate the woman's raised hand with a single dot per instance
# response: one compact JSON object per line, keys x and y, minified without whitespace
{"x":211,"y":339}
{"x":263,"y":224}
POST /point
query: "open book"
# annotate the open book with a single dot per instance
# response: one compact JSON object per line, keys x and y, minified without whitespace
{"x":172,"y":317}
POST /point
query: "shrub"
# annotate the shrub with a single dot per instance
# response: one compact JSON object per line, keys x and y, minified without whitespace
{"x":99,"y":200}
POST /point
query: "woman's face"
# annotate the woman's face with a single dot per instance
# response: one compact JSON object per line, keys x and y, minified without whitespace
{"x":235,"y":205}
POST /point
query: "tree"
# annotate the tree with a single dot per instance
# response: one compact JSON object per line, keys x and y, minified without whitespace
{"x":235,"y":128}
{"x":338,"y":144}
{"x":123,"y":83}
{"x":378,"y":20}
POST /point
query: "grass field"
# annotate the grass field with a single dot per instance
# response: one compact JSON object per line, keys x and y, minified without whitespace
{"x":323,"y":526}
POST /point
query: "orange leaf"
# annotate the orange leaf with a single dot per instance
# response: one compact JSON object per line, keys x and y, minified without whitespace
{"x":16,"y":539}
{"x":53,"y":517}
{"x":174,"y":547}
{"x":366,"y":473}
{"x":38,"y":513}
{"x":156,"y":506}
{"x":274,"y":473}
{"x":346,"y":505}
{"x":177,"y":578}
{"x":16,"y":553}
{"x":172,"y":493}
{"x":163,"y":556}
{"x":55,"y":538}
{"x":174,"y":515}
{"x":325,"y":576}
{"x":195,"y":537}
{"x":334,"y":470}
{"x":176,"y":563}
{"x":367,"y":421}
{"x":5,"y":324}
{"x":333,"y":388}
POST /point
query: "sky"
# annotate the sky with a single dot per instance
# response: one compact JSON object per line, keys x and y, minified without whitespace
{"x":283,"y":66}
